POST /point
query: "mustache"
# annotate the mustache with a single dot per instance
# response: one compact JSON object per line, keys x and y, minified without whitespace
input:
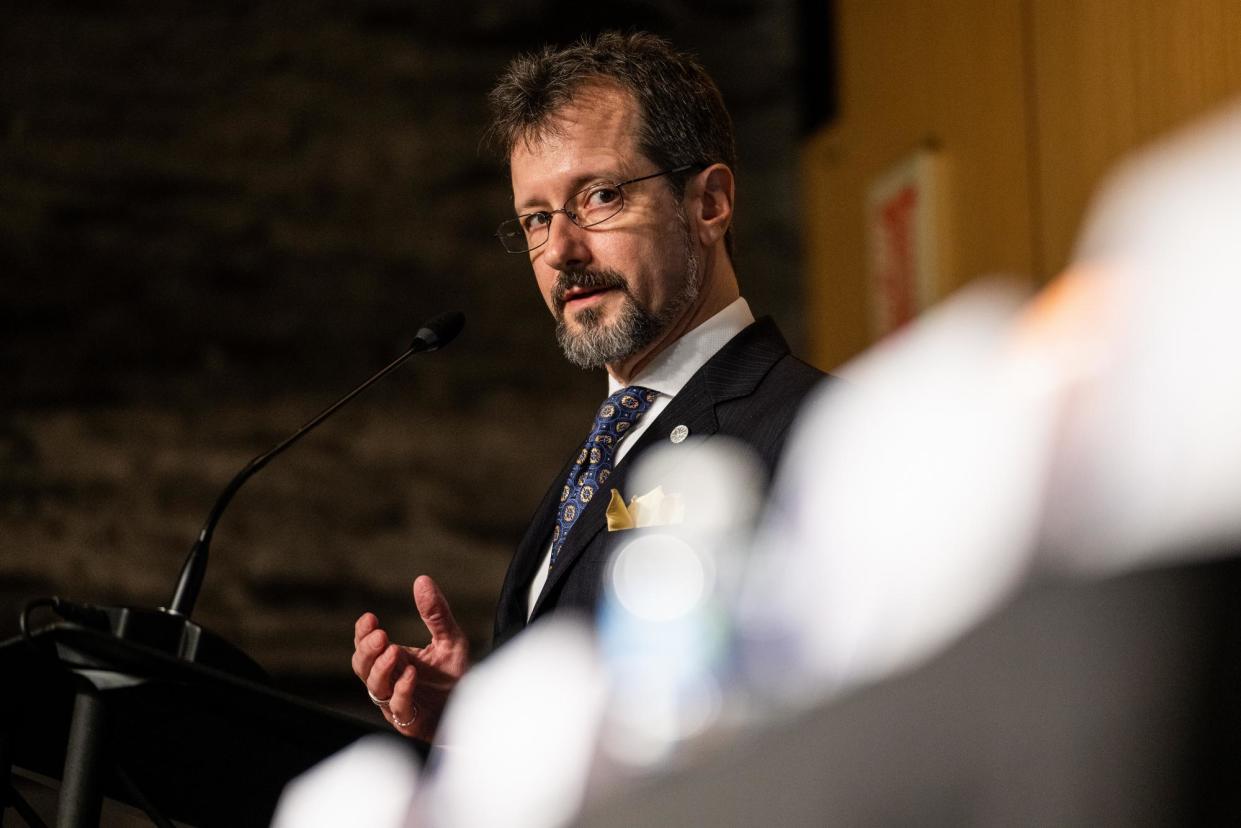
{"x":585,"y":280}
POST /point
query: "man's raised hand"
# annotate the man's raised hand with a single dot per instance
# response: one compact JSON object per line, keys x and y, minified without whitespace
{"x":411,"y":684}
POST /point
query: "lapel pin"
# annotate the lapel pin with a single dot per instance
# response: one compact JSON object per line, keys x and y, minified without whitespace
{"x":679,"y":434}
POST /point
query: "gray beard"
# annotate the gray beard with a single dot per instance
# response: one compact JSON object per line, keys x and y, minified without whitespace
{"x":596,"y":343}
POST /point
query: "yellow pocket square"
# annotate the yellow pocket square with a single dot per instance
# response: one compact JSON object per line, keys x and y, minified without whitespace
{"x":651,"y":509}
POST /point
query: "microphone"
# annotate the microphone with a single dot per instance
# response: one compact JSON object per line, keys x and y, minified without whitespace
{"x":440,"y":330}
{"x":433,"y":335}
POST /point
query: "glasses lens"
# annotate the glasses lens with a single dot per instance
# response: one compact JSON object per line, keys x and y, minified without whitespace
{"x":598,"y":202}
{"x":513,"y":236}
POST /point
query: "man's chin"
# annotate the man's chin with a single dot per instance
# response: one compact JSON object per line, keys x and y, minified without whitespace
{"x":585,"y":321}
{"x":589,"y":346}
{"x":601,"y":333}
{"x":590,"y":337}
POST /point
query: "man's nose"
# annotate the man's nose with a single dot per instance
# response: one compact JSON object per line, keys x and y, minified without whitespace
{"x":568,"y":246}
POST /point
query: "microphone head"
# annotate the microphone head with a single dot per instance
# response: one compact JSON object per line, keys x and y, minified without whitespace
{"x":439,"y":331}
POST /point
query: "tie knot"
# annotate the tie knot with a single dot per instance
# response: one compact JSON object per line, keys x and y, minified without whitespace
{"x":626,"y":404}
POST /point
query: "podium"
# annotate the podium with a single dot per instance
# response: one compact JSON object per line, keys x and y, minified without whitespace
{"x":179,"y":739}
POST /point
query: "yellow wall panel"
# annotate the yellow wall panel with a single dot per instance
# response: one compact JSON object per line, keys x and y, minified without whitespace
{"x":913,"y":73}
{"x":1029,"y":101}
{"x":1109,"y":76}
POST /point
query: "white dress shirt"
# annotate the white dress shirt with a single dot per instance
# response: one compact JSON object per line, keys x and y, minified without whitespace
{"x":666,"y":374}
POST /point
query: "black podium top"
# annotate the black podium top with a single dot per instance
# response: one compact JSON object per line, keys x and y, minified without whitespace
{"x":207,"y":747}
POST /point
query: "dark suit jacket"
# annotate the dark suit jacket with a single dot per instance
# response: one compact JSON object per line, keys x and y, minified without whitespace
{"x":750,"y":390}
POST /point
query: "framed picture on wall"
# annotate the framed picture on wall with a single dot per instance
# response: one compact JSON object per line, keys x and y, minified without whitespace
{"x":902,"y":234}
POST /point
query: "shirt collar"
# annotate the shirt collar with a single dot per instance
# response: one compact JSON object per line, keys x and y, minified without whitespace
{"x":668,"y":372}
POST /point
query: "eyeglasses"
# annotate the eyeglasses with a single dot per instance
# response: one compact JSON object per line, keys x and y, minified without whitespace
{"x":585,"y":208}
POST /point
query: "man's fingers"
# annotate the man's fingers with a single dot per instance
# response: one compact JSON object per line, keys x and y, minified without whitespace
{"x":364,"y":626}
{"x":433,"y":607}
{"x":380,"y":679}
{"x":366,"y":651}
{"x":401,"y":706}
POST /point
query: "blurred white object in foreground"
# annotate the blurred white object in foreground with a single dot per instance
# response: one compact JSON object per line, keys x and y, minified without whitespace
{"x":519,"y":734}
{"x":372,"y":782}
{"x":1101,"y":427}
{"x":908,"y":503}
{"x":665,"y":630}
{"x":1152,"y":463}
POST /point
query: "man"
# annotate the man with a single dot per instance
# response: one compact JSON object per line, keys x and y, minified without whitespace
{"x":621,"y":157}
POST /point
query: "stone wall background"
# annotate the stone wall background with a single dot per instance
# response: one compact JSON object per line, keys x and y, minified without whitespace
{"x":216,"y":218}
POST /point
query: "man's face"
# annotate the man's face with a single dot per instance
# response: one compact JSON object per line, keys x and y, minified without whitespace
{"x":613,"y":288}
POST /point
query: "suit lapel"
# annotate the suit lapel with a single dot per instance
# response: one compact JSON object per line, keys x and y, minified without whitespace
{"x":733,"y":372}
{"x":512,"y":607}
{"x":594,"y":519}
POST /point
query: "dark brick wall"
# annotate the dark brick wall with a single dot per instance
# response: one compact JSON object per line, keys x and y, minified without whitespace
{"x":214,"y":218}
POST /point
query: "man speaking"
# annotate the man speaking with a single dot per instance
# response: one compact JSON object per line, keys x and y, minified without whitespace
{"x":621,"y":156}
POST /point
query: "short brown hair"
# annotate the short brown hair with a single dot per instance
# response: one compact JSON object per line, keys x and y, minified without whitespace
{"x":682,"y":119}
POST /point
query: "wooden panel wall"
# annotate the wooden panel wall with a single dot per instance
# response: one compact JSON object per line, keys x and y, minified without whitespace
{"x":1030,"y":102}
{"x":1110,"y":75}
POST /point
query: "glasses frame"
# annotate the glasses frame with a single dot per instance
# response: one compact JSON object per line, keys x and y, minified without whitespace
{"x":572,"y":216}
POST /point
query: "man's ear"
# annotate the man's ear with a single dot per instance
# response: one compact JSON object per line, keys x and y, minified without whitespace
{"x":712,"y":193}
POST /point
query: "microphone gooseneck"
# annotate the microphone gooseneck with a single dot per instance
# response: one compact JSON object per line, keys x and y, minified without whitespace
{"x":433,"y":335}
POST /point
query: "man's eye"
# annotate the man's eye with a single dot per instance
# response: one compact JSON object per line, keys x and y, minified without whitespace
{"x":602,"y":197}
{"x":535,"y":221}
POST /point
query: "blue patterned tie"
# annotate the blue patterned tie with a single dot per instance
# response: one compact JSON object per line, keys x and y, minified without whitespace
{"x":594,"y":464}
